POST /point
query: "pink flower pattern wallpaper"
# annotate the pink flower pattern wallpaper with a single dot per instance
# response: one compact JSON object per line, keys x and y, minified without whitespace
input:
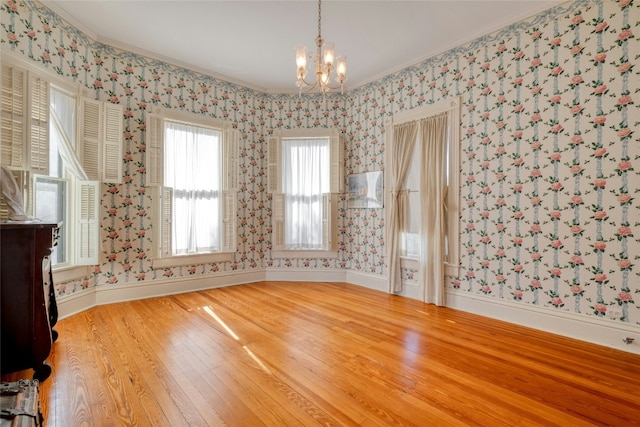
{"x":549,"y":169}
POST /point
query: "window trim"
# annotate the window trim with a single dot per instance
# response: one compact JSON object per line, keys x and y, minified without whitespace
{"x":304,"y":253}
{"x":274,"y":187}
{"x":154,"y":140}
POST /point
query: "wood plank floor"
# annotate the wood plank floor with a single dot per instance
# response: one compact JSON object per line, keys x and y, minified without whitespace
{"x":332,"y":354}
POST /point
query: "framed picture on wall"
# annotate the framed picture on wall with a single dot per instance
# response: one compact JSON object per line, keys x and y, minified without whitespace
{"x":365,"y":190}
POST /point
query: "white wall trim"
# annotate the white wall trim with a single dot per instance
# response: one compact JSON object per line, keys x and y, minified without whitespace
{"x":108,"y":294}
{"x":371,"y":281}
{"x":306,"y":275}
{"x":567,"y":324}
{"x":75,"y":303}
{"x":412,"y":290}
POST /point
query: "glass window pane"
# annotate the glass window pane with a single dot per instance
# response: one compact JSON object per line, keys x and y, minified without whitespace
{"x":50,"y":206}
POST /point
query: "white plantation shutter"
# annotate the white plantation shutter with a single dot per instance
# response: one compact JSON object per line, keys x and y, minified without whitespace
{"x":329,"y":221}
{"x":88,"y":232}
{"x":230,"y":156}
{"x":277,"y":220}
{"x":166,"y":218}
{"x":162,"y":214}
{"x":12,"y":117}
{"x":229,"y":228}
{"x":337,"y":162}
{"x":326,"y":221}
{"x":100,"y":147}
{"x":38,"y":125}
{"x":230,"y":161}
{"x":90,"y":137}
{"x":112,"y":144}
{"x":155,"y":149}
{"x":274,"y":167}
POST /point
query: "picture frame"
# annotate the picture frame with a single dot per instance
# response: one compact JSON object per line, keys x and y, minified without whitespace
{"x":365,"y":190}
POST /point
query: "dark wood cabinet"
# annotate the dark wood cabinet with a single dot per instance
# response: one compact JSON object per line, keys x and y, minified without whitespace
{"x":28,"y":303}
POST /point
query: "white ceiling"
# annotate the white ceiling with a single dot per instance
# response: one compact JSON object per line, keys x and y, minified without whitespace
{"x":253,"y":42}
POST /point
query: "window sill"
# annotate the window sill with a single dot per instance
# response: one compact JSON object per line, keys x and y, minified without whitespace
{"x":303,"y":254}
{"x":451,"y":269}
{"x":410,"y":263}
{"x":178,"y":260}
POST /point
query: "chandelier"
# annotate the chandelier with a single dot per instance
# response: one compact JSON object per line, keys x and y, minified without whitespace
{"x":324,"y":61}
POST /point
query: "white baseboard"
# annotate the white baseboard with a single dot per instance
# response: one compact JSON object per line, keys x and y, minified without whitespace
{"x":75,"y":303}
{"x":412,"y":290}
{"x":371,"y":281}
{"x":380,"y":283}
{"x":605,"y":333}
{"x":106,"y":294}
{"x":159,"y":288}
{"x":305,"y":275}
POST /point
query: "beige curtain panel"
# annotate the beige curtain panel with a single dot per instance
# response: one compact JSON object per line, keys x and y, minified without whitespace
{"x":433,"y":131}
{"x":404,"y":140}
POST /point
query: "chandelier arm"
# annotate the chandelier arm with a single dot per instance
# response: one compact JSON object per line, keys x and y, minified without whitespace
{"x":307,"y":84}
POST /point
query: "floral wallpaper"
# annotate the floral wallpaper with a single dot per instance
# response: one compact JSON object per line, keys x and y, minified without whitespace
{"x":549,"y":141}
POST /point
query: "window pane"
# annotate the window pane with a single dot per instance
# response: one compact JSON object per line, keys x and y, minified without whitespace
{"x":410,"y":242}
{"x":62,"y":134}
{"x":50,"y":204}
{"x":192,"y":169}
{"x":306,"y":175}
{"x":410,"y":245}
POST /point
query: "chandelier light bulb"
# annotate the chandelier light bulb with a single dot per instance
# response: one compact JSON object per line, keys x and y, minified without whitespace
{"x":329,"y":56}
{"x":341,"y":67}
{"x":301,"y":57}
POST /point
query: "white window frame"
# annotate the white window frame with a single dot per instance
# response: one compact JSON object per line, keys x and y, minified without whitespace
{"x":452,"y":107}
{"x":31,"y":160}
{"x":330,"y":200}
{"x":162,"y":196}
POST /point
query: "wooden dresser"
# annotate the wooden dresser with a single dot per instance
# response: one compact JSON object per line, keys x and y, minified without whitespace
{"x":28,"y":303}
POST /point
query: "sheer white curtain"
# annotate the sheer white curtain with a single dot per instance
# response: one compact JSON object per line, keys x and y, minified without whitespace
{"x":433,"y":131}
{"x":404,"y":140}
{"x":306,"y":178}
{"x":192,"y":154}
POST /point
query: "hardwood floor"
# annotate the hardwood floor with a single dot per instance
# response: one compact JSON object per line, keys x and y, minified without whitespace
{"x":333,"y":354}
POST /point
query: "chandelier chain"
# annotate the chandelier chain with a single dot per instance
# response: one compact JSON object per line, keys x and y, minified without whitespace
{"x":319,"y":18}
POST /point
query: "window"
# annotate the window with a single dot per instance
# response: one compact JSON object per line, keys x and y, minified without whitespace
{"x":305,"y":180}
{"x":59,"y":146}
{"x":51,"y":196}
{"x":191,"y":154}
{"x":51,"y":200}
{"x":305,"y":176}
{"x":410,"y":238}
{"x":193,"y":164}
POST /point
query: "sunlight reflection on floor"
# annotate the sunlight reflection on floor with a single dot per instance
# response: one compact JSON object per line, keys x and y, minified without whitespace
{"x":233,"y":335}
